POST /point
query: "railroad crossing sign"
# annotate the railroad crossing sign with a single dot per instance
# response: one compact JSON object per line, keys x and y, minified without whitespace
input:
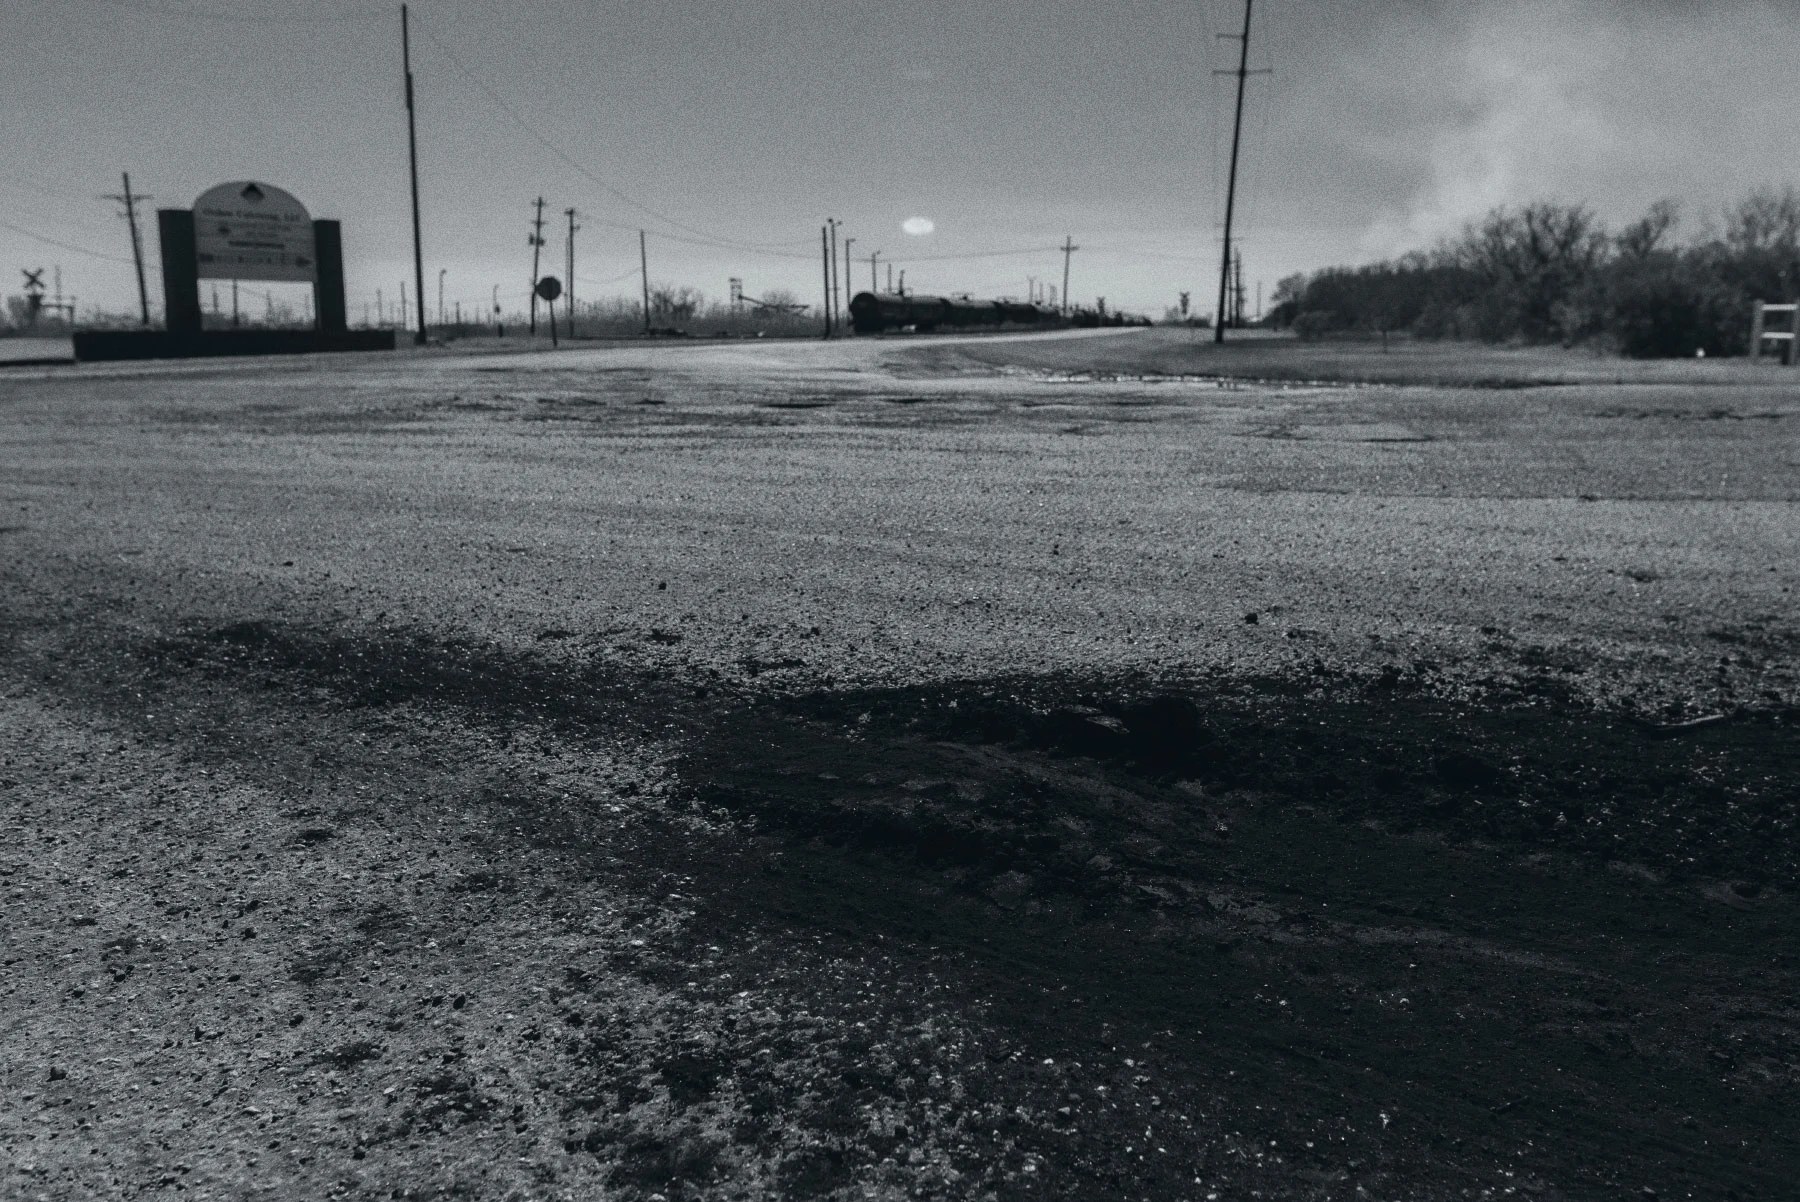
{"x":34,"y":294}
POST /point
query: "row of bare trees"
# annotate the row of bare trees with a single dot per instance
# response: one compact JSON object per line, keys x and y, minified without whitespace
{"x":1551,"y":272}
{"x":677,"y":307}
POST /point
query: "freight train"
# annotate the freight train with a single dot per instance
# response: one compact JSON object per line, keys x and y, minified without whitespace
{"x":878,"y":312}
{"x":872,"y":313}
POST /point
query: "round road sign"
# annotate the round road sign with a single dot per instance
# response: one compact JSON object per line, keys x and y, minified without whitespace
{"x":549,"y":288}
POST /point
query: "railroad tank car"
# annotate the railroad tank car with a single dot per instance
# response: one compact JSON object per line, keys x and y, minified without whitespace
{"x":875,"y":312}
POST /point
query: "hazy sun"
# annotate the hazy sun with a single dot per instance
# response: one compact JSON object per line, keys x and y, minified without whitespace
{"x":918,"y":225}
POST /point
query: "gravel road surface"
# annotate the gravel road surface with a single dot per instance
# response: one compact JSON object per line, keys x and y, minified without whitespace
{"x":1041,"y":766}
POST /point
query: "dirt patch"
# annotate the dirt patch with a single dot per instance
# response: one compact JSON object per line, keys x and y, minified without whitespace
{"x":1288,"y":935}
{"x":1030,"y":773}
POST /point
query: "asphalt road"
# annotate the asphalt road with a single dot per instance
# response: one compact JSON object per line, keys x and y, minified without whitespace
{"x":896,"y":768}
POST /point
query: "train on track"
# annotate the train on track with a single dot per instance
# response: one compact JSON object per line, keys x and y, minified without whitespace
{"x":881,"y":312}
{"x":876,"y":312}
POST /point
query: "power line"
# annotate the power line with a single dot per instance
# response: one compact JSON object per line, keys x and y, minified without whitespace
{"x":62,"y":194}
{"x":623,"y":275}
{"x":944,"y":258}
{"x":80,"y":250}
{"x":583,"y":170}
{"x":712,"y":243}
{"x":201,"y":14}
{"x":974,"y":254}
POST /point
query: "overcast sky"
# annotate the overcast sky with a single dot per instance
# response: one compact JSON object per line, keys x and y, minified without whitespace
{"x":744,"y":124}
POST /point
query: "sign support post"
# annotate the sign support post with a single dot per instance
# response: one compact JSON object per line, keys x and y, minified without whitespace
{"x":181,"y":271}
{"x":328,"y":288}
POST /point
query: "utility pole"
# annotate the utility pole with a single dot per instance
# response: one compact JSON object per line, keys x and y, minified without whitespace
{"x":890,"y":275}
{"x":831,"y":289}
{"x":403,"y":320}
{"x":644,"y":268}
{"x":1237,"y":129}
{"x":412,"y":150}
{"x":569,"y":283}
{"x":848,"y":285}
{"x":234,"y":304}
{"x":137,"y":247}
{"x":441,"y":272}
{"x":1068,"y":248}
{"x":1237,"y":290}
{"x":825,"y":259}
{"x":874,"y":283}
{"x":537,"y":244}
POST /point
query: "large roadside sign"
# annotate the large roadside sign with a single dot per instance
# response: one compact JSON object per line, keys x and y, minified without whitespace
{"x":250,"y":231}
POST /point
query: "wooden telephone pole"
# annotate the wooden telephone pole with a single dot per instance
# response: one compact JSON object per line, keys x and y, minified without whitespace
{"x":1237,"y":129}
{"x":845,"y":285}
{"x":644,"y":269}
{"x":569,"y":283}
{"x":825,"y":259}
{"x":1068,"y":248}
{"x":137,"y":247}
{"x":412,"y":150}
{"x":831,"y":278}
{"x":537,"y":244}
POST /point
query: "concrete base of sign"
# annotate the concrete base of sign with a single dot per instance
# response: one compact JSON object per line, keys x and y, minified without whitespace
{"x":91,"y":345}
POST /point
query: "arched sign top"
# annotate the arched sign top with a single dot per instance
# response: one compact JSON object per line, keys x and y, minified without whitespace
{"x":245,"y":230}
